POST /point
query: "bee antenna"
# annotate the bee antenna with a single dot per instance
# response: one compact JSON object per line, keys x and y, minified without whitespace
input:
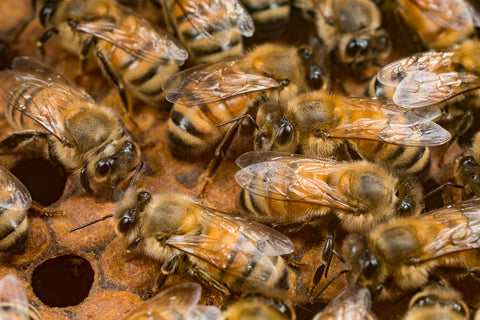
{"x":90,"y":223}
{"x":330,"y":282}
{"x":247,"y":115}
{"x":440,"y":188}
{"x":134,"y":177}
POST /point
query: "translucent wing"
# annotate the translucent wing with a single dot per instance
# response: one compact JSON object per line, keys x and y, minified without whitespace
{"x":252,"y":157}
{"x":352,"y":303}
{"x":382,"y":120}
{"x":29,"y":77}
{"x":203,"y":313}
{"x":297,"y":179}
{"x":169,"y":303}
{"x":459,"y":231}
{"x":214,"y":82}
{"x":12,"y":191}
{"x":423,"y":88}
{"x":450,"y":14}
{"x":248,"y":240}
{"x":148,"y":43}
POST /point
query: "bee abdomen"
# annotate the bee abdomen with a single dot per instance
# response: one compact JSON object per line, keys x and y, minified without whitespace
{"x":13,"y":230}
{"x":21,"y":97}
{"x":19,"y":310}
{"x":270,"y":18}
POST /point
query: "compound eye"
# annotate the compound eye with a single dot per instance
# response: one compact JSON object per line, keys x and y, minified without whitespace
{"x":103,"y":168}
{"x":125,"y":224}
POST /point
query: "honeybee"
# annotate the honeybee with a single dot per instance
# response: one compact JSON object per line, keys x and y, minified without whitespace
{"x":271,"y":17}
{"x":88,"y":139}
{"x":260,"y":306}
{"x":467,"y":169}
{"x":13,"y":301}
{"x":437,"y":302}
{"x":14,"y":203}
{"x":228,"y":253}
{"x":439,"y":23}
{"x":324,"y":125}
{"x":177,"y":302}
{"x":212,"y":30}
{"x":350,"y":28}
{"x":129,"y":49}
{"x":283,"y":189}
{"x":209,"y":95}
{"x":352,"y":303}
{"x":400,"y":254}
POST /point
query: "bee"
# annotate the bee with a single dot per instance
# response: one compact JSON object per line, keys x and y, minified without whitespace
{"x":323,"y":125}
{"x":212,"y":30}
{"x":177,"y":302}
{"x":467,"y":169}
{"x":207,"y":96}
{"x":271,"y":17}
{"x":228,"y":253}
{"x":14,"y":203}
{"x":350,"y":28}
{"x":129,"y":49}
{"x":439,"y":24}
{"x":437,"y":302}
{"x":13,"y":301}
{"x":352,"y":303}
{"x":401,"y":254}
{"x":88,"y":139}
{"x":283,"y":189}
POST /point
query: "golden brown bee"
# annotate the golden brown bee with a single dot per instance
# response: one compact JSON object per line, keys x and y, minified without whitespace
{"x":350,"y":28}
{"x":467,"y":169}
{"x":129,"y":49}
{"x":86,"y":138}
{"x":212,"y":30}
{"x":437,"y":302}
{"x":13,"y":301}
{"x":261,"y":306}
{"x":324,"y":125}
{"x":175,"y":303}
{"x":209,"y":95}
{"x":14,"y":203}
{"x":271,"y":17}
{"x":352,"y":303}
{"x":283,"y":189}
{"x":400,"y":254}
{"x":228,"y":253}
{"x":439,"y":23}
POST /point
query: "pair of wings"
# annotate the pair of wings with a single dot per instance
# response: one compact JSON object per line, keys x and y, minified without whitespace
{"x":56,"y":97}
{"x":214,"y":16}
{"x":426,"y":79}
{"x":13,"y":300}
{"x":177,"y":302}
{"x":353,"y":303}
{"x":13,"y":192}
{"x":146,"y":42}
{"x":292,"y":177}
{"x":255,"y":240}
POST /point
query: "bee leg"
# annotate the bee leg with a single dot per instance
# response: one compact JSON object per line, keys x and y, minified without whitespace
{"x":116,"y":81}
{"x":87,"y":45}
{"x":84,"y":180}
{"x":210,"y":281}
{"x":14,"y":140}
{"x":44,"y":38}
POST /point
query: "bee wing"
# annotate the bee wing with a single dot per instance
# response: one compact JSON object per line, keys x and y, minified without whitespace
{"x":13,"y":191}
{"x":382,"y":120}
{"x":424,"y":88}
{"x":48,"y":108}
{"x":393,"y":73}
{"x":169,"y":303}
{"x":12,"y":293}
{"x":214,"y":82}
{"x":247,"y":239}
{"x":252,"y":157}
{"x":462,"y":231}
{"x":450,"y":14}
{"x":149,"y":43}
{"x":296,"y":179}
{"x":352,"y":303}
{"x":203,"y":313}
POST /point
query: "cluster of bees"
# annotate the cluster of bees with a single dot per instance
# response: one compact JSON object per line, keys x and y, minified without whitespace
{"x":353,"y":167}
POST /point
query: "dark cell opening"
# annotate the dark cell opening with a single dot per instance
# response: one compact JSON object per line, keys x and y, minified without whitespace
{"x":44,"y":180}
{"x":63,"y":281}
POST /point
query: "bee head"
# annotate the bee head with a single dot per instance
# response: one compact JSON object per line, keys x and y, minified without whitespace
{"x":130,"y":209}
{"x":364,"y":48}
{"x":362,"y":262}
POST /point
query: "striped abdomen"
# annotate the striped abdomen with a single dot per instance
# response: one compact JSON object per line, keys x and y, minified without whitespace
{"x":270,"y":17}
{"x":13,"y":226}
{"x":206,"y":49}
{"x":16,"y":310}
{"x":192,"y":131}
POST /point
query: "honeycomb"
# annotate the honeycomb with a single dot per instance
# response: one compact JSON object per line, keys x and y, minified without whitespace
{"x":120,"y":281}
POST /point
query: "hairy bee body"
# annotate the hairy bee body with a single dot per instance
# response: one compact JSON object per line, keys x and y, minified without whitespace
{"x":467,"y":168}
{"x":129,"y":49}
{"x":13,"y":301}
{"x":227,"y":253}
{"x":14,"y":203}
{"x":270,"y":16}
{"x":88,"y":139}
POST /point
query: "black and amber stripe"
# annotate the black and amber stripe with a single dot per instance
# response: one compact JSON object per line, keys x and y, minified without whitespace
{"x":270,"y":17}
{"x":19,"y":310}
{"x":13,"y":228}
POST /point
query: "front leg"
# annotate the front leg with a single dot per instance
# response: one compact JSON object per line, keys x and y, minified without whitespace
{"x":44,"y":38}
{"x":87,"y":45}
{"x":84,"y":180}
{"x":209,"y":280}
